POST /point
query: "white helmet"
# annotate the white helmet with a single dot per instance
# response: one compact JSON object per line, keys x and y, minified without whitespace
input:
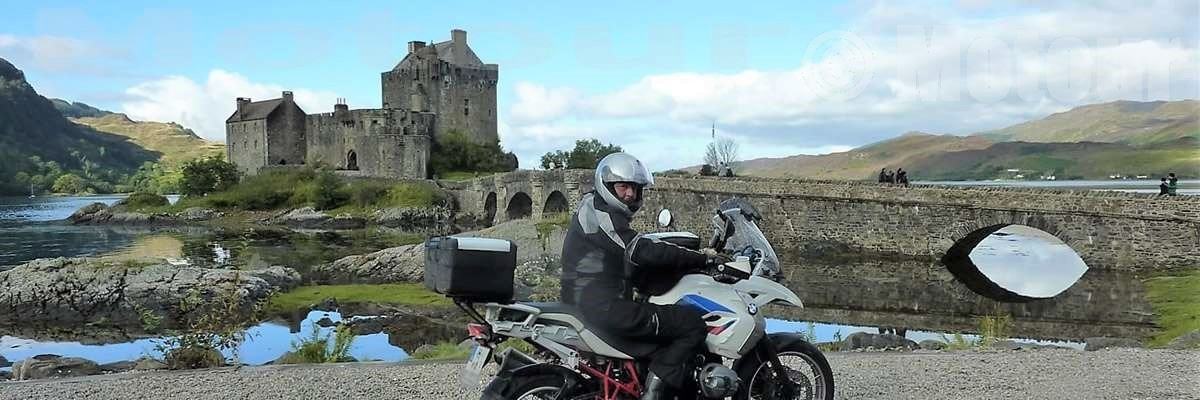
{"x":621,"y":167}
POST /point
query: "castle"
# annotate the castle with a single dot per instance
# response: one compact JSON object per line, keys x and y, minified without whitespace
{"x":436,"y":90}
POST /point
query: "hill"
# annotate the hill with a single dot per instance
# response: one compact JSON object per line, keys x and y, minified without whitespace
{"x":866,"y":161}
{"x":38,"y":146}
{"x":77,"y":110}
{"x":1088,"y":142}
{"x":175,"y":143}
{"x":1130,"y":122}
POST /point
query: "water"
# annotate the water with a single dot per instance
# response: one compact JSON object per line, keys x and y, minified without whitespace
{"x":841,"y":296}
{"x":1028,"y":261}
{"x":1190,"y":187}
{"x":262,"y":343}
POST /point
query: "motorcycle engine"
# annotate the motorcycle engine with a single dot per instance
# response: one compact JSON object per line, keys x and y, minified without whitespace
{"x":717,"y":381}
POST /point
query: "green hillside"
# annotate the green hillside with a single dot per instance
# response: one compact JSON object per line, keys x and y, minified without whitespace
{"x":39,"y":148}
{"x":1088,"y":142}
{"x":176,"y":143}
{"x":1131,"y":122}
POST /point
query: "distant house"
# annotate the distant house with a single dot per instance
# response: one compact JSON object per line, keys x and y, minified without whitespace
{"x":269,"y":132}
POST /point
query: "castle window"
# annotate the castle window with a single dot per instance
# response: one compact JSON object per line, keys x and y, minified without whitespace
{"x":466,"y":106}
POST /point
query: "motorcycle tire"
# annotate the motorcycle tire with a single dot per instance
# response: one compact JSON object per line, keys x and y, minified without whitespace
{"x":789,"y":348}
{"x":535,"y":387}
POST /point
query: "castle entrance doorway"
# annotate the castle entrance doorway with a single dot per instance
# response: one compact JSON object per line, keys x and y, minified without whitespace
{"x":352,"y":161}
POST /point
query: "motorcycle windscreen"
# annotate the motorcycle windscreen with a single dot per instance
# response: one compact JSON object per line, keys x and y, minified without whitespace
{"x":748,"y":240}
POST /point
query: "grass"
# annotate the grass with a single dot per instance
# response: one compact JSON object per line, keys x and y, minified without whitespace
{"x":459,"y":176}
{"x":317,"y":349}
{"x":1176,"y":302}
{"x":398,"y":293}
{"x":993,"y":328}
{"x":551,"y":222}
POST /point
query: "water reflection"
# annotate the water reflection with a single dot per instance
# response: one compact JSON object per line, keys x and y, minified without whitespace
{"x":1028,"y":261}
{"x":263,"y":343}
{"x":924,"y":295}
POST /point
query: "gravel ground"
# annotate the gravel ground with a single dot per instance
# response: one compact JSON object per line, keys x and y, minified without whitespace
{"x":1042,"y":374}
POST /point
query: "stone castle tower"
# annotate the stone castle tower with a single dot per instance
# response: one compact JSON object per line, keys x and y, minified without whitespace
{"x":435,"y":90}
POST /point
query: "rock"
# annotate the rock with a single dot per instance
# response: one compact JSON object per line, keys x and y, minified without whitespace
{"x":309,"y":218}
{"x":118,"y":367}
{"x":1014,"y":345}
{"x":88,"y":213}
{"x":4,"y":362}
{"x":413,"y":219}
{"x":425,"y":348}
{"x":325,"y":322}
{"x":328,"y":304}
{"x":54,"y":367}
{"x":198,"y":214}
{"x":78,"y":291}
{"x":864,"y":340}
{"x":148,"y":364}
{"x":280,"y":277}
{"x":1097,"y":343}
{"x":391,"y":265}
{"x":1187,"y":341}
{"x":194,"y":358}
{"x":5,"y":375}
{"x":930,"y":344}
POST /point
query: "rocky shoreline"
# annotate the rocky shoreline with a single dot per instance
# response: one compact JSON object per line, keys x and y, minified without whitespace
{"x":82,"y":291}
{"x":435,"y":219}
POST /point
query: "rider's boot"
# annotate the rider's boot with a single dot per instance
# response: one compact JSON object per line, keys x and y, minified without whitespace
{"x":655,"y":388}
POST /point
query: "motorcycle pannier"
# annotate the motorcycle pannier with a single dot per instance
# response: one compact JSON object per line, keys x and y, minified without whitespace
{"x":471,"y":269}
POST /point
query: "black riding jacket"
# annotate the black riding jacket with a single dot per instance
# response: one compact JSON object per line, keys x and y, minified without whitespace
{"x":603,"y":257}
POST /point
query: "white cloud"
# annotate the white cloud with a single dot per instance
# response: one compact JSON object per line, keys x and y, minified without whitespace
{"x":900,"y":67}
{"x":204,"y":106}
{"x":57,"y":54}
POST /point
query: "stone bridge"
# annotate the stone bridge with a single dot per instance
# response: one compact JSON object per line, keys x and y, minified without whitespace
{"x":1109,"y":230}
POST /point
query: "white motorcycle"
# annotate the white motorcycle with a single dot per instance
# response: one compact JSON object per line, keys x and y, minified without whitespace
{"x":577,"y":361}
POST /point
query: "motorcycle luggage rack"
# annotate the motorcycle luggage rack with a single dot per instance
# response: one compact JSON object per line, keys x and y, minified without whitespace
{"x":469,"y":308}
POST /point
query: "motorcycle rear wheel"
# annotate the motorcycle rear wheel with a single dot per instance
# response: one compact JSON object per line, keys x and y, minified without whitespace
{"x":808,"y":371}
{"x":536,"y":387}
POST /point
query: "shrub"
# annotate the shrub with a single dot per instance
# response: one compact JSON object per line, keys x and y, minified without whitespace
{"x":317,"y":349}
{"x":193,"y":357}
{"x":207,"y":175}
{"x":454,"y":151}
{"x":324,"y":190}
{"x":143,"y":200}
{"x":586,"y":154}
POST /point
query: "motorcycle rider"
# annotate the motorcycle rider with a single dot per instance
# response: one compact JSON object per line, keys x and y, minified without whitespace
{"x":605,"y":260}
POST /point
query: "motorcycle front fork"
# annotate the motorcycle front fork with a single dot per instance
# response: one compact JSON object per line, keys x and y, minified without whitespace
{"x":770,"y":354}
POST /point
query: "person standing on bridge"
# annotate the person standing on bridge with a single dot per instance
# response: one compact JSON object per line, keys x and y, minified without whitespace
{"x":882,"y":175}
{"x":902,"y":177}
{"x":1172,"y":184}
{"x":1164,"y":189}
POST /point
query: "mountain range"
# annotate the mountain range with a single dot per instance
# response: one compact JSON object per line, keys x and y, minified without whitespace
{"x":1093,"y":141}
{"x":94,"y":150}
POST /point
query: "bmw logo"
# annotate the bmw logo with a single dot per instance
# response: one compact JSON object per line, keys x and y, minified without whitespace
{"x":752,"y":308}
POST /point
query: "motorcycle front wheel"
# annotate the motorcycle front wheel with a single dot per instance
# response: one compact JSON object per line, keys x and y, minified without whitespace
{"x":808,"y":373}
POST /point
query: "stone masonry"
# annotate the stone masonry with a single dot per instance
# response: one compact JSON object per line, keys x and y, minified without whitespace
{"x":434,"y":91}
{"x":1109,"y":230}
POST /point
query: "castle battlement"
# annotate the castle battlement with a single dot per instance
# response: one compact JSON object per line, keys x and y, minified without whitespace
{"x":434,"y":90}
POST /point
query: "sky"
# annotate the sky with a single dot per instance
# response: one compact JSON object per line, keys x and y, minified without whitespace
{"x":779,"y":78}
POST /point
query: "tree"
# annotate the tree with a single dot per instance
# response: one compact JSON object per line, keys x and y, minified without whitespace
{"x":723,"y":151}
{"x":455,"y":152}
{"x":69,"y":183}
{"x":207,"y":175}
{"x":586,"y":154}
{"x":556,"y":159}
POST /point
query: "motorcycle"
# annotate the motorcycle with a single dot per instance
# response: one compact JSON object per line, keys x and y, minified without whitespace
{"x":576,"y":361}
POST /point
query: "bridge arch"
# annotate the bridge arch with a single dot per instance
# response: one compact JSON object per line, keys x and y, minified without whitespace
{"x":519,"y":206}
{"x":968,"y":271}
{"x":489,"y":208}
{"x":555,"y":203}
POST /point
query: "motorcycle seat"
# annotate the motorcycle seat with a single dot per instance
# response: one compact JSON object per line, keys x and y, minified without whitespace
{"x":631,"y":346}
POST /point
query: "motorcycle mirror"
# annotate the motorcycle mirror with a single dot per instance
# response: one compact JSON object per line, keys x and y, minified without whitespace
{"x":664,"y":218}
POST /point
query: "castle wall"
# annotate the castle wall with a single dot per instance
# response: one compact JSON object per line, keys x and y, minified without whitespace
{"x":464,"y":98}
{"x":385,"y":143}
{"x":286,"y":142}
{"x":246,"y":145}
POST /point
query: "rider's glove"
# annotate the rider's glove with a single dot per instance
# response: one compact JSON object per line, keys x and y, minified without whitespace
{"x":712,"y":257}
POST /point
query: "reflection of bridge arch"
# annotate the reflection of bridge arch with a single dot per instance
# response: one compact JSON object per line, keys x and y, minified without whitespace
{"x":555,"y":203}
{"x":519,"y":206}
{"x":958,"y":260}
